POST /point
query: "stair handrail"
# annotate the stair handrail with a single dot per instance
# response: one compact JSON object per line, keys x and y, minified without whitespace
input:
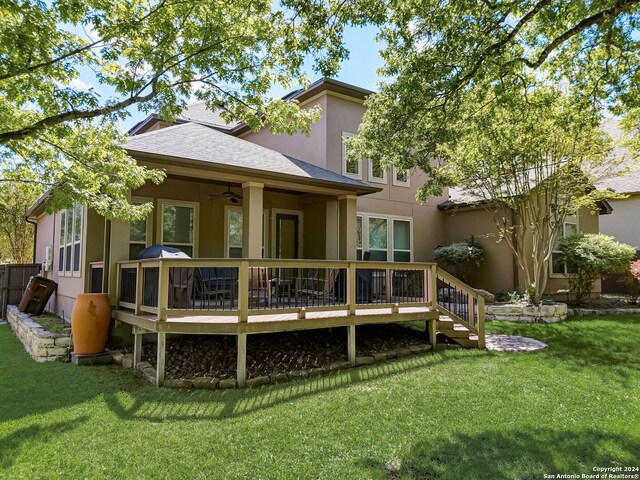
{"x":472,"y":294}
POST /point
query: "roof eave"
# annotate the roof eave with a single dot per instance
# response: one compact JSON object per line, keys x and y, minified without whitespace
{"x":358,"y":189}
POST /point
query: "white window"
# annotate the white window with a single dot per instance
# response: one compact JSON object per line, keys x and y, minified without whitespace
{"x":178,"y":225}
{"x":385,"y":238}
{"x":377,"y":173}
{"x":139,"y":231}
{"x":558,"y":265}
{"x":350,"y":168}
{"x":401,"y":240}
{"x":233,"y":231}
{"x":378,"y":238}
{"x":70,"y":241}
{"x":400,"y":177}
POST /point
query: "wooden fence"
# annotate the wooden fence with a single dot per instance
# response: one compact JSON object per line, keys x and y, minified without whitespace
{"x":13,"y":280}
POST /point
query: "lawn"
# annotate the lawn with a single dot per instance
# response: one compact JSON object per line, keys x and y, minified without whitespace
{"x":458,"y":414}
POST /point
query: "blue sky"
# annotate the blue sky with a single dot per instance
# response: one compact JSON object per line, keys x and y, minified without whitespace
{"x":359,"y":69}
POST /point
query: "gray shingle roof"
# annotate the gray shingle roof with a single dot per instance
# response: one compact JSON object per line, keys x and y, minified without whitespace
{"x":198,"y":142}
{"x":198,"y":112}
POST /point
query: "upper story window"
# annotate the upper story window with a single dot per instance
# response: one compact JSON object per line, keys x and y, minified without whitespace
{"x":139,"y":232}
{"x":558,"y":264}
{"x":400,"y":177}
{"x":377,"y":173}
{"x":70,"y":241}
{"x":178,"y":225}
{"x":350,"y":168}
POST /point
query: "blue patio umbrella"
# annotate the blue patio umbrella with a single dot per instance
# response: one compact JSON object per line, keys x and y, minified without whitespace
{"x":161,"y":251}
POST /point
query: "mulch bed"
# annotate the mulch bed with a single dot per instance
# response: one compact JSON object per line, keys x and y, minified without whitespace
{"x":190,"y":356}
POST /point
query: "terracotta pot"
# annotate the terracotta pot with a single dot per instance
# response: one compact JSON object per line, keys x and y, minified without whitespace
{"x":90,"y":320}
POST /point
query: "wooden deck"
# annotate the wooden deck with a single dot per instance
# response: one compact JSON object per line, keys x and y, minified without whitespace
{"x":253,"y":296}
{"x":268,"y":323}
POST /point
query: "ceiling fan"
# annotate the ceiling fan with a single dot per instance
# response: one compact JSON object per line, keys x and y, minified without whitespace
{"x":227,"y":195}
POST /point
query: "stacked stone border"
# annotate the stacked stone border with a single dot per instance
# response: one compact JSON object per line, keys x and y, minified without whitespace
{"x":40,"y":344}
{"x":527,"y":313}
{"x":146,"y":370}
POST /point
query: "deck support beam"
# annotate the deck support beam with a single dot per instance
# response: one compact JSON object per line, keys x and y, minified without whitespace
{"x":160,"y":358}
{"x":432,"y":333}
{"x":241,"y":374}
{"x":351,"y":344}
{"x":137,"y":346}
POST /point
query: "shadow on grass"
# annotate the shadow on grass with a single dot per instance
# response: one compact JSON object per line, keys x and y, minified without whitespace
{"x":170,"y":404}
{"x":510,"y":455}
{"x":11,"y":444}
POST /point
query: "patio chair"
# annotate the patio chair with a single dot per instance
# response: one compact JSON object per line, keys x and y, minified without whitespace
{"x":260,"y":293}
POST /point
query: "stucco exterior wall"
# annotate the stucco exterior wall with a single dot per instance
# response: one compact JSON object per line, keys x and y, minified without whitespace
{"x":497,"y":272}
{"x":624,"y":222}
{"x":311,"y":149}
{"x":69,"y":284}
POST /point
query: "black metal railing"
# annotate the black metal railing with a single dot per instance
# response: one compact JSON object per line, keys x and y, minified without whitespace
{"x":128,"y":278}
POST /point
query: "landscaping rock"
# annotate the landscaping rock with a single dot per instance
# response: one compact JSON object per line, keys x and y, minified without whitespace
{"x":142,"y":365}
{"x":391,"y":354}
{"x":177,"y":383}
{"x":117,"y":358}
{"x":379,"y":357}
{"x":227,"y":383}
{"x":298,"y":373}
{"x":127,"y":361}
{"x":339,"y":365}
{"x":279,"y":377}
{"x":258,"y":381}
{"x":403,"y":352}
{"x":317,"y":371}
{"x":205,"y":383}
{"x":368,"y":360}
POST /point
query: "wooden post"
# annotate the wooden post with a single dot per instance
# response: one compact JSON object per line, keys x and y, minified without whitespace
{"x":160,"y":358}
{"x":471,"y":317}
{"x":139,"y":287}
{"x":480,"y":326}
{"x":352,"y":295}
{"x":388,"y":291}
{"x":433,"y":330}
{"x":118,"y":285}
{"x":163,"y":291}
{"x":137,"y":346}
{"x":243,"y":291}
{"x":241,"y":374}
{"x":433,"y":285}
{"x":351,"y":344}
{"x":426,"y":285}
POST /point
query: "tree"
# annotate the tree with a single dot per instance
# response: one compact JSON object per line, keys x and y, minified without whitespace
{"x":153,"y":55}
{"x":531,"y":155}
{"x":589,"y":257}
{"x":436,"y":52}
{"x":16,"y":236}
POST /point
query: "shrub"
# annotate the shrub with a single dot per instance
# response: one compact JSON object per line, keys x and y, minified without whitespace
{"x":461,"y":256}
{"x":590,"y":256}
{"x":632,"y":280}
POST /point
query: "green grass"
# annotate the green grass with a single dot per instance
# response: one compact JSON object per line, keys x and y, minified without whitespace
{"x":451,"y":415}
{"x":50,"y":322}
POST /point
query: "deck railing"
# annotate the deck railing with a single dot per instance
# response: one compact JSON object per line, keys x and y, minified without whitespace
{"x":461,"y":302}
{"x":231,"y":287}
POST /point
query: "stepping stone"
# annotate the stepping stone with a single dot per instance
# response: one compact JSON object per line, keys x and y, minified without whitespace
{"x":512,"y":343}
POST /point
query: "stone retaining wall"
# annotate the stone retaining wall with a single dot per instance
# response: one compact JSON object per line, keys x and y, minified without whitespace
{"x":527,"y":313}
{"x":43,"y":346}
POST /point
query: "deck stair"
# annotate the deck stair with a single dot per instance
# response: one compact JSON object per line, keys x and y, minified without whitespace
{"x":452,"y":334}
{"x":461,"y":314}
